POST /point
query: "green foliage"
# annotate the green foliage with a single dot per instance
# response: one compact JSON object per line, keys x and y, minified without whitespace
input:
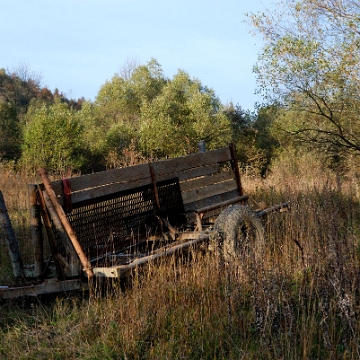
{"x":52,"y":139}
{"x":254,"y":136}
{"x":161,"y":117}
{"x":183,"y":113}
{"x":120,"y":99}
{"x":16,"y":91}
{"x":310,"y":65}
{"x":137,"y":115}
{"x":9,"y":132}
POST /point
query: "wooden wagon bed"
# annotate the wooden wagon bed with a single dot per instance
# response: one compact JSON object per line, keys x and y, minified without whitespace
{"x":107,"y":223}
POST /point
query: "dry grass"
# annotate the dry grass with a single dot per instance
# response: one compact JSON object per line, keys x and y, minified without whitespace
{"x":300,"y":302}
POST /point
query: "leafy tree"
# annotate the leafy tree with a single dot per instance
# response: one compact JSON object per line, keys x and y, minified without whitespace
{"x":120,"y":99}
{"x":9,"y":132}
{"x":19,"y":90}
{"x":52,"y":138}
{"x":310,"y":66}
{"x":16,"y":91}
{"x":184,"y":113}
{"x":161,"y":116}
{"x":253,"y":135}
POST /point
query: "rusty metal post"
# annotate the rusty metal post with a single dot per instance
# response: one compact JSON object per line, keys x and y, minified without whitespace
{"x":36,"y":230}
{"x":68,"y":228}
{"x":202,"y":146}
{"x":14,"y":252}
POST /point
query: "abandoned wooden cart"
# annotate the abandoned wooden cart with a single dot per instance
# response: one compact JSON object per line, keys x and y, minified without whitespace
{"x":106,"y":224}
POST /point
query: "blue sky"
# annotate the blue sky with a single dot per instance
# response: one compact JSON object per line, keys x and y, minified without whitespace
{"x":76,"y":45}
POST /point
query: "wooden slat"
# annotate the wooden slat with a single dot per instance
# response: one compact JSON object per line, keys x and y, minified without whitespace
{"x":178,"y":165}
{"x":89,"y":187}
{"x":89,"y":194}
{"x":191,"y":173}
{"x":206,"y":181}
{"x":47,"y":287}
{"x":103,"y":178}
{"x":223,"y":204}
{"x":193,"y":206}
{"x":122,"y":271}
{"x":162,"y":169}
{"x":206,"y":192}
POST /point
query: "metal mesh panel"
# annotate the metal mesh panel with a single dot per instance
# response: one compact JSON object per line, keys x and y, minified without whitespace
{"x":126,"y":218}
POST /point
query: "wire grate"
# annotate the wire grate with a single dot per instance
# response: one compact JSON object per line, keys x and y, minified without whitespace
{"x":111,"y":224}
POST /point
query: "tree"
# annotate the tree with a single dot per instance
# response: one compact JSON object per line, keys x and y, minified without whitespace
{"x":156,"y":116}
{"x":19,"y":90}
{"x":52,"y":139}
{"x":181,"y":115}
{"x":252,"y":134}
{"x":120,"y":99}
{"x":310,"y":65}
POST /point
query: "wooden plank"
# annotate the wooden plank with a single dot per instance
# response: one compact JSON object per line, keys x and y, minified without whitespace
{"x":193,"y":206}
{"x":36,"y":231}
{"x":180,"y":164}
{"x":211,"y":190}
{"x":161,"y":168}
{"x":87,"y":187}
{"x":47,"y":287}
{"x":206,"y":181}
{"x":102,"y":178}
{"x":223,"y":204}
{"x":97,"y":192}
{"x":122,"y":271}
{"x":11,"y":241}
{"x":89,"y":194}
{"x":191,"y":173}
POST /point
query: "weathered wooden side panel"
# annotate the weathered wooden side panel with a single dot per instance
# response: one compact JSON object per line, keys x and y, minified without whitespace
{"x":209,"y":191}
{"x":200,"y":182}
{"x":174,"y":167}
{"x":208,"y":201}
{"x":103,"y":178}
{"x":98,"y":185}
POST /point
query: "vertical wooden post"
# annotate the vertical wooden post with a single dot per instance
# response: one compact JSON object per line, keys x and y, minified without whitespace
{"x":11,"y":242}
{"x":59,"y":264}
{"x":156,"y":192}
{"x":36,"y":230}
{"x":236,"y":168}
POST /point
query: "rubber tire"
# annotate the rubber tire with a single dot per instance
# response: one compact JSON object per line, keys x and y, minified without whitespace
{"x":240,"y":233}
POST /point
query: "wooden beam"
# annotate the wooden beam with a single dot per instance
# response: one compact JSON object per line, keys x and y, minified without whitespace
{"x":13,"y":246}
{"x":36,"y":230}
{"x":208,"y":191}
{"x":121,"y":271}
{"x":46,"y":287}
{"x":67,"y":226}
{"x":58,"y":260}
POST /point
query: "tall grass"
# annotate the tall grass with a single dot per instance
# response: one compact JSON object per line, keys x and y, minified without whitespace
{"x":300,"y":301}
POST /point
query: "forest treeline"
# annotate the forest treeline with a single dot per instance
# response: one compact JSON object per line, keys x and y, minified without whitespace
{"x":138,"y":115}
{"x":308,"y":72}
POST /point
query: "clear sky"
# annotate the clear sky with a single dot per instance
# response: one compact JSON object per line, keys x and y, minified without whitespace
{"x":76,"y":45}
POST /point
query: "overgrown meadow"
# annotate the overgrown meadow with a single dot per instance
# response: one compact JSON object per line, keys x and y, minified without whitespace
{"x":299,"y":301}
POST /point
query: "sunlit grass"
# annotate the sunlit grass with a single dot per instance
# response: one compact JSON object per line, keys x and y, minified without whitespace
{"x":300,"y":302}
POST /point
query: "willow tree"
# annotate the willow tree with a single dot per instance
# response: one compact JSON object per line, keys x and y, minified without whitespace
{"x":310,"y":64}
{"x":181,"y":115}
